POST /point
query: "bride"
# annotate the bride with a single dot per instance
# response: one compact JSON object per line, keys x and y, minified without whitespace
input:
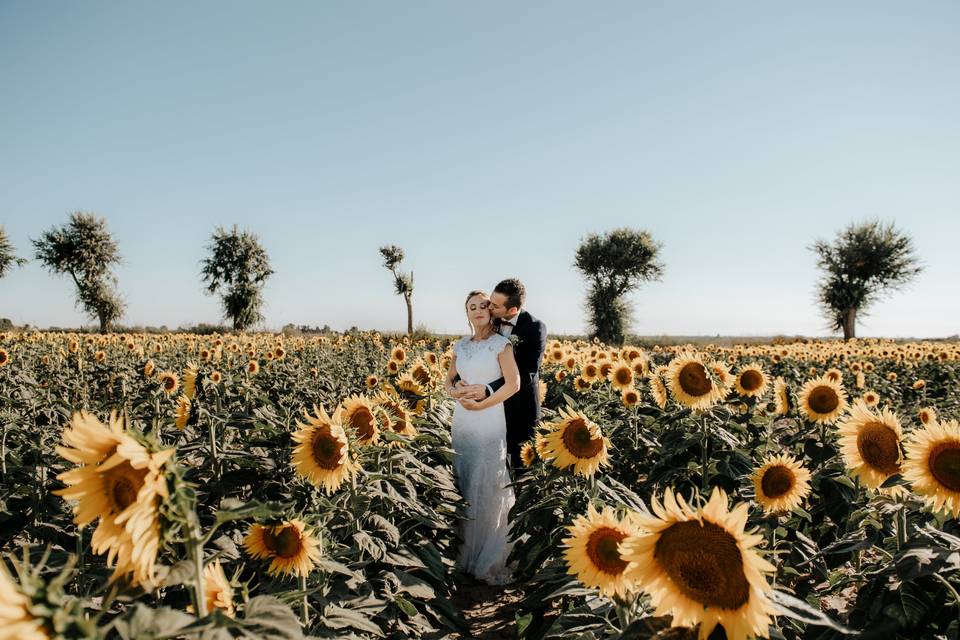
{"x":480,"y":443}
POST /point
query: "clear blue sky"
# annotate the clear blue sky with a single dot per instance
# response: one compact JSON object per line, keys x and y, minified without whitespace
{"x":486,"y":139}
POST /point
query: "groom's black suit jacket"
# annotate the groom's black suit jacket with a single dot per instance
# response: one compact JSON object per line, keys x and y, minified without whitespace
{"x":522,"y":409}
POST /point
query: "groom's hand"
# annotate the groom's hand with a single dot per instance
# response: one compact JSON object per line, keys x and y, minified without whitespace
{"x":471,"y":391}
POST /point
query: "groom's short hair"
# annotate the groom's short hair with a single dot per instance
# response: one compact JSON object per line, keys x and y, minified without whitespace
{"x":514,"y":290}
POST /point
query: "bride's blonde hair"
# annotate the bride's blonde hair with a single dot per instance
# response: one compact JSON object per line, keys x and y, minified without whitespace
{"x":476,"y":292}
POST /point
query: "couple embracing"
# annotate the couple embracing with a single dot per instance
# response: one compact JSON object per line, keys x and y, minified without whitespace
{"x":494,"y":376}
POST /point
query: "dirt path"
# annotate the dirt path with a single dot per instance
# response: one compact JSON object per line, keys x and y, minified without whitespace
{"x":489,"y":610}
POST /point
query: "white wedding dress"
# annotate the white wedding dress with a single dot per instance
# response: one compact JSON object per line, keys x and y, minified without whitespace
{"x":480,"y":465}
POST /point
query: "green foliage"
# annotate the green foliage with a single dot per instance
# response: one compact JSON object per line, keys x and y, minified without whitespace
{"x":615,"y":264}
{"x":8,"y":256}
{"x":865,"y":260}
{"x":85,"y":250}
{"x":237,"y":268}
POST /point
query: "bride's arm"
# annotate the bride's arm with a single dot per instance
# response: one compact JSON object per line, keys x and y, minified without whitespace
{"x":448,"y":384}
{"x":511,"y":378}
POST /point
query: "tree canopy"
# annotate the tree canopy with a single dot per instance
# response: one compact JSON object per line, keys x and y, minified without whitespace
{"x":237,"y":268}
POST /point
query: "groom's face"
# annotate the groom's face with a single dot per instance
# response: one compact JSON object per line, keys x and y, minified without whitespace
{"x":498,"y":308}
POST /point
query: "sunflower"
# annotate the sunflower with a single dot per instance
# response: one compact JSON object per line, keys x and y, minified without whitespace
{"x":621,"y":377}
{"x":780,"y":484}
{"x":699,"y":565}
{"x":578,"y":442}
{"x":291,"y":548}
{"x":781,"y":397}
{"x":398,"y":354}
{"x":528,"y":454}
{"x":870,"y":444}
{"x":630,"y":397}
{"x":834,"y":375}
{"x":322,"y":454}
{"x":822,"y":400}
{"x":421,"y":373}
{"x":183,"y":411}
{"x":16,"y":621}
{"x":169,"y":381}
{"x":581,"y":384}
{"x":870,"y":398}
{"x":4,"y":357}
{"x":100,"y":356}
{"x":560,"y":375}
{"x":372,"y":382}
{"x":751,"y":382}
{"x":933,"y":465}
{"x":592,"y":551}
{"x":919,"y":385}
{"x":253,"y":367}
{"x":412,"y":393}
{"x":216,"y":377}
{"x":217,"y":590}
{"x":398,"y":417}
{"x":927,"y":415}
{"x":120,"y":482}
{"x":659,"y":392}
{"x":692,"y":383}
{"x":590,"y":372}
{"x":393,"y":367}
{"x":190,"y":380}
{"x":357,"y":412}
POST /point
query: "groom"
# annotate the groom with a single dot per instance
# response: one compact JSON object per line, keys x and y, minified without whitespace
{"x":522,"y":409}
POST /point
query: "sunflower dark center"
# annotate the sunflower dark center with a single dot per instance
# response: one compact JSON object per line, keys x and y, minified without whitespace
{"x":751,"y":380}
{"x":169,"y":383}
{"x":123,"y":483}
{"x":624,"y":376}
{"x":602,"y":550}
{"x":824,"y":399}
{"x":421,"y":375}
{"x":705,"y":563}
{"x":579,"y":441}
{"x":777,"y":481}
{"x":3,"y":357}
{"x":363,"y":421}
{"x":879,"y":447}
{"x":326,"y":449}
{"x":944,"y":462}
{"x":694,"y":380}
{"x":284,"y":543}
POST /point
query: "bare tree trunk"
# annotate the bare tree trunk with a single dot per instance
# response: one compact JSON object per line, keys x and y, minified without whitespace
{"x":850,"y":324}
{"x":409,"y":315}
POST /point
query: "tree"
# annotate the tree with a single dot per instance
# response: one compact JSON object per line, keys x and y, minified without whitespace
{"x":614,"y":264}
{"x":403,"y":282}
{"x":237,"y":267}
{"x":85,"y":250}
{"x":865,"y":261}
{"x":8,"y":255}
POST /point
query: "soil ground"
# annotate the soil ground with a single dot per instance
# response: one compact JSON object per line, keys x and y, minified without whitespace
{"x":490,"y":610}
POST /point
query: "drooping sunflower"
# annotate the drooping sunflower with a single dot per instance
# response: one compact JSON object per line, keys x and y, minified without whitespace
{"x":822,"y":400}
{"x":149,"y":368}
{"x":169,"y":382}
{"x":322,"y":455}
{"x":751,"y":382}
{"x":621,"y":377}
{"x":120,"y":482}
{"x":592,"y":551}
{"x":927,"y":415}
{"x":542,"y":391}
{"x":781,"y":397}
{"x":290,"y":546}
{"x":659,"y":391}
{"x":183,"y":411}
{"x":933,"y":465}
{"x":630,"y":397}
{"x":692,"y":383}
{"x":401,"y":421}
{"x":421,"y":373}
{"x":412,"y":394}
{"x":781,"y":483}
{"x":190,"y":380}
{"x":16,"y":621}
{"x":870,"y":444}
{"x":217,"y":590}
{"x":528,"y":454}
{"x":357,"y":412}
{"x":700,"y":566}
{"x":578,"y":442}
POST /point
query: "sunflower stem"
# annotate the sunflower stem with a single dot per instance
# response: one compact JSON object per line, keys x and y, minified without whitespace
{"x":196,"y":553}
{"x":704,"y":465}
{"x":305,"y":606}
{"x":214,"y":461}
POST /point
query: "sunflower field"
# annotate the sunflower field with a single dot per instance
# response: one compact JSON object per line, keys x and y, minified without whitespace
{"x":262,"y":486}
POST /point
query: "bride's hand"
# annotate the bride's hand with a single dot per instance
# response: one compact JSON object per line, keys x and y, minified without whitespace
{"x":473,"y":405}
